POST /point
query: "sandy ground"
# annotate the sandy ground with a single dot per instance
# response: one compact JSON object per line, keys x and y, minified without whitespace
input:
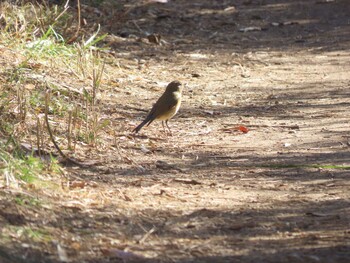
{"x":210,"y":192}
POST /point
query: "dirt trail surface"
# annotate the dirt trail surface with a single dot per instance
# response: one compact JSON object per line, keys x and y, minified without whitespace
{"x":210,"y":192}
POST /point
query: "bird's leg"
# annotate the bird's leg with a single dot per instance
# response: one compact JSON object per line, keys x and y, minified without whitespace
{"x":166,"y":122}
{"x":163,"y":127}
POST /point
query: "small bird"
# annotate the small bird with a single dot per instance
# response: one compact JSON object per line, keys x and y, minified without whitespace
{"x":166,"y":106}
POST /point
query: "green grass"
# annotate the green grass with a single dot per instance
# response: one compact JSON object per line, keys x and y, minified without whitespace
{"x":38,"y":34}
{"x":28,"y":168}
{"x":37,"y":234}
{"x":27,"y":201}
{"x":22,"y":168}
{"x":39,"y":59}
{"x":25,"y":232}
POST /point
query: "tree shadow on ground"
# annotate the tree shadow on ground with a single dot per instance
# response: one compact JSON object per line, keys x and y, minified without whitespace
{"x":196,"y":26}
{"x":301,"y":228}
{"x":287,"y":105}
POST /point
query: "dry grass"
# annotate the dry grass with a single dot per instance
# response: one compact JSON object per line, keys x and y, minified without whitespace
{"x":210,"y":193}
{"x":34,"y":55}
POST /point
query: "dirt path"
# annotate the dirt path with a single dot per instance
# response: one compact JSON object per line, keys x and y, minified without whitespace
{"x":211,"y":193}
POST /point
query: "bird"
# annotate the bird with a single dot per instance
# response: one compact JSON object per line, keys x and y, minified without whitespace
{"x":166,"y":106}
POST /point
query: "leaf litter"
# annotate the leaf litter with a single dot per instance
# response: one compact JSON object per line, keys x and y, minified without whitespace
{"x":208,"y":192}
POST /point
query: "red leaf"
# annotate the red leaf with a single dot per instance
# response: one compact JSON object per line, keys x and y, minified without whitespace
{"x":243,"y":129}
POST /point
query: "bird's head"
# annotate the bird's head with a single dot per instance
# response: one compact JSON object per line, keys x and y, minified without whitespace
{"x":174,"y":86}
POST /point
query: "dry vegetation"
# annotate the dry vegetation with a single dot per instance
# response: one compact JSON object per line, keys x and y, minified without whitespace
{"x":257,"y":168}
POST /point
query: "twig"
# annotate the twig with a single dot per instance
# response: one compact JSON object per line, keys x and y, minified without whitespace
{"x":150,"y":232}
{"x":66,"y":6}
{"x":65,"y":157}
{"x":68,"y":66}
{"x":138,"y":27}
{"x":73,"y":38}
{"x":292,"y":127}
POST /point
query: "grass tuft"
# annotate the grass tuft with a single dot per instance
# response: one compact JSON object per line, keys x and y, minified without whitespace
{"x":33,"y":37}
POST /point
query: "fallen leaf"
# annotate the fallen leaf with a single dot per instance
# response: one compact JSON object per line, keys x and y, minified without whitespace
{"x":186,"y":181}
{"x":144,"y":149}
{"x":158,"y":1}
{"x":243,"y":129}
{"x":154,"y":38}
{"x":236,"y":128}
{"x":124,"y":255}
{"x":34,"y":65}
{"x":210,"y":112}
{"x":317,"y":214}
{"x":124,"y":196}
{"x":75,"y":246}
{"x":195,"y":75}
{"x":248,"y":29}
{"x":325,"y":1}
{"x":287,"y":23}
{"x":62,"y":254}
{"x":29,"y":86}
{"x":77,"y":184}
{"x":229,"y":9}
{"x":197,"y":56}
{"x":166,"y":166}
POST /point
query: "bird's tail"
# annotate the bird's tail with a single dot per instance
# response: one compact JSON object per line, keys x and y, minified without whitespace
{"x":139,"y":127}
{"x":147,"y":121}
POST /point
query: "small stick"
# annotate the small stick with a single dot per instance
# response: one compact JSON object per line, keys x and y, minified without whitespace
{"x":69,"y":129}
{"x":73,"y":38}
{"x":65,"y":157}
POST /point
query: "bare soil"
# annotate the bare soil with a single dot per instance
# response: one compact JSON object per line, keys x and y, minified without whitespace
{"x":210,"y":192}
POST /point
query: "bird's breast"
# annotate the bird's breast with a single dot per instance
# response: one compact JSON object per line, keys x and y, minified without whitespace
{"x":176,"y":98}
